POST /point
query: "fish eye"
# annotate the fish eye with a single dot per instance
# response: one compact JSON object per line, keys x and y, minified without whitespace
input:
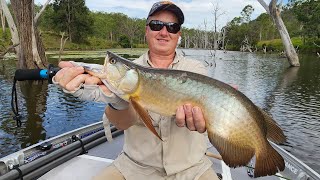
{"x":112,"y":61}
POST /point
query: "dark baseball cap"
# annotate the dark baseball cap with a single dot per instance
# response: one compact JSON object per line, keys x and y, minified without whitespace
{"x":169,"y":6}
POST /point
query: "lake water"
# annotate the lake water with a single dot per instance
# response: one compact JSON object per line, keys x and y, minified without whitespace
{"x":290,"y":95}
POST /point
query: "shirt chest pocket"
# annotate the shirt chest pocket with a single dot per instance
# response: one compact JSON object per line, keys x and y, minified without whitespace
{"x":155,"y":118}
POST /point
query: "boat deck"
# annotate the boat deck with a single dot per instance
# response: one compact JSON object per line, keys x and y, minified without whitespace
{"x":63,"y":159}
{"x":86,"y":166}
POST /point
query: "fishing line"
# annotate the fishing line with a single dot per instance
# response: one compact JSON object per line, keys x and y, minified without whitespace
{"x":14,"y":103}
{"x":28,"y":74}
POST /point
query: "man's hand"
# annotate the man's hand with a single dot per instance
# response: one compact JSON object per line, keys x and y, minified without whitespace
{"x":192,"y":117}
{"x":70,"y":77}
{"x":85,"y":86}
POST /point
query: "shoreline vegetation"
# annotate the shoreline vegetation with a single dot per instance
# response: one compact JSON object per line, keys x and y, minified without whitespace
{"x":52,"y":44}
{"x":80,"y":29}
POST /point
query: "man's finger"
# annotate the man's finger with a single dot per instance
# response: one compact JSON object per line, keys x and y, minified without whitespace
{"x":60,"y":74}
{"x":198,"y":119}
{"x":64,"y":64}
{"x":189,"y":117}
{"x":69,"y":75}
{"x":180,"y":117}
{"x":92,"y":81}
{"x":105,"y":90}
{"x":75,"y":82}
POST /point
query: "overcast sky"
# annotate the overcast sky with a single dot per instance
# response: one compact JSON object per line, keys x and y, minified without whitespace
{"x":195,"y":11}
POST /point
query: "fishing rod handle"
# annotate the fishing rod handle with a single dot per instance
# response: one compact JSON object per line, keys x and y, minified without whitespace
{"x":36,"y":74}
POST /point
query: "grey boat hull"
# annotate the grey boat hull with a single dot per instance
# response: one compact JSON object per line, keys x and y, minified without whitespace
{"x":61,"y":157}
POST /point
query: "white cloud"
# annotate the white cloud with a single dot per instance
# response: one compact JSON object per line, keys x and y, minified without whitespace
{"x":195,"y":11}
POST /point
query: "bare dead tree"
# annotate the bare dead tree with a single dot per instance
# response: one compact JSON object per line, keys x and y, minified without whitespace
{"x":246,"y":45}
{"x":8,"y":49}
{"x":130,"y":28}
{"x":62,"y":44}
{"x":40,"y":12}
{"x":265,"y":49}
{"x":12,"y":27}
{"x":3,"y":20}
{"x":196,"y":39}
{"x":69,"y":20}
{"x":30,"y":50}
{"x":316,"y":44}
{"x":216,"y":14}
{"x":224,"y":34}
{"x":205,"y":34}
{"x":275,"y":12}
{"x":226,"y":44}
{"x":186,"y":40}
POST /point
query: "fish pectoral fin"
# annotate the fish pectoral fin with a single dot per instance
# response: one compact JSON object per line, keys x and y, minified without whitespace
{"x":232,"y":154}
{"x":274,"y":132}
{"x":144,"y":116}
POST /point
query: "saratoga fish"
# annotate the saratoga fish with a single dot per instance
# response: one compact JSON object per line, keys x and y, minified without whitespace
{"x":236,"y":127}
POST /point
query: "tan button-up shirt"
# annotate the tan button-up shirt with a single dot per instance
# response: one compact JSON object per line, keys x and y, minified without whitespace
{"x":181,"y":154}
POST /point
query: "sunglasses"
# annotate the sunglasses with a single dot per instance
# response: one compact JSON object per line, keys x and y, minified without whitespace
{"x":156,"y":25}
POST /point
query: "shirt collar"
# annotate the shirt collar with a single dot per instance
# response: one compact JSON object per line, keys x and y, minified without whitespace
{"x":173,"y":63}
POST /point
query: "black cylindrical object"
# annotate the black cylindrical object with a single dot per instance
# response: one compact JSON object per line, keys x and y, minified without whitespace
{"x":36,"y":74}
{"x":28,"y":74}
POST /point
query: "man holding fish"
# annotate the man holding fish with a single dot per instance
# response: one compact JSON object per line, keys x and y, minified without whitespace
{"x":171,"y":96}
{"x":181,"y":153}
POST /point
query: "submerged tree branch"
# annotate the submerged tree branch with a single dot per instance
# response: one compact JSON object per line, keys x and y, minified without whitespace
{"x":275,"y":13}
{"x":316,"y":44}
{"x":8,"y":49}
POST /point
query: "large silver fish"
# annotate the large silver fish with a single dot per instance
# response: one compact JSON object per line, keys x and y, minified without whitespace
{"x":236,"y":127}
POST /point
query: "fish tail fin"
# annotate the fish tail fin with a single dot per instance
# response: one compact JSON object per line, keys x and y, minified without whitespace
{"x":268,"y":162}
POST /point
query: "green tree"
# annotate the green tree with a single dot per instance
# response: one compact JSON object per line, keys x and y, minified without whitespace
{"x":264,"y":28}
{"x":308,"y":13}
{"x":46,"y":22}
{"x":124,"y":41}
{"x":239,"y":29}
{"x":246,"y":13}
{"x":132,"y":29}
{"x":72,"y":16}
{"x":108,"y":25}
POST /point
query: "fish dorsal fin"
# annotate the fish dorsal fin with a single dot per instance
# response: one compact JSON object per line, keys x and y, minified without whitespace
{"x":144,"y":116}
{"x":274,"y":132}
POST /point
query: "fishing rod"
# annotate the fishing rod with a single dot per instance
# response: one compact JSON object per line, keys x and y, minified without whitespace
{"x":29,"y":74}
